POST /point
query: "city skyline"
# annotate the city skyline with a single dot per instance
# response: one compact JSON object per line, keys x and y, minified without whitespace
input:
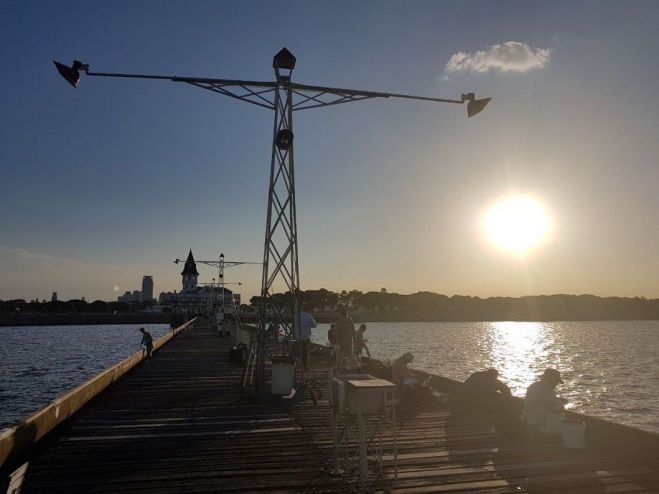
{"x":119,"y":178}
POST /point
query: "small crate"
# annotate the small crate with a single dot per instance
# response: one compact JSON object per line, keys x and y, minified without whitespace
{"x":359,"y":393}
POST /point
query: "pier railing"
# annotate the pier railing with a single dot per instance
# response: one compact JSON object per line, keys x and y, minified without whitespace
{"x":17,"y":442}
{"x":600,"y":433}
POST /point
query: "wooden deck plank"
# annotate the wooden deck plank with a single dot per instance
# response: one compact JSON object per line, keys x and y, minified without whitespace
{"x":439,"y":452}
{"x":173,"y":426}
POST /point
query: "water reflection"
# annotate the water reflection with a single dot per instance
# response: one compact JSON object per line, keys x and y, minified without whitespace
{"x":519,"y":351}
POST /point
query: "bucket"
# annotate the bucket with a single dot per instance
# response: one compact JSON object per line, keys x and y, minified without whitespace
{"x":283,"y":375}
{"x":574,"y":434}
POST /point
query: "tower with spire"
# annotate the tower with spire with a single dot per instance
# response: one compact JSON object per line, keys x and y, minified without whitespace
{"x":190,"y":274}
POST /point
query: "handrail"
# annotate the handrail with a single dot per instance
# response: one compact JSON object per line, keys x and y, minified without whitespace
{"x":600,"y":433}
{"x":17,"y":441}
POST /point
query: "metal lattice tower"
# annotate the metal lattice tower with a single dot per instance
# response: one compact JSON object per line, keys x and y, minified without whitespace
{"x":280,"y":251}
{"x":280,"y":254}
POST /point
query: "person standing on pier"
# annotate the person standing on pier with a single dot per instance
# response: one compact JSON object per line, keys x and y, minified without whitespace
{"x":147,"y":342}
{"x":306,"y":323}
{"x":360,"y":342}
{"x":331,"y":335}
{"x":345,"y":334}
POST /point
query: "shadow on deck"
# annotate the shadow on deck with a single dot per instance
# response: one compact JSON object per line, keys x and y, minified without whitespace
{"x":439,"y":451}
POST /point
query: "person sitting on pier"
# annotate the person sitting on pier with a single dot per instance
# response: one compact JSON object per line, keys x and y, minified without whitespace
{"x":487,"y":381}
{"x":541,"y":400}
{"x":484,"y":395}
{"x":345,"y":334}
{"x":480,"y":391}
{"x":147,"y":342}
{"x":360,"y":342}
{"x":400,"y":374}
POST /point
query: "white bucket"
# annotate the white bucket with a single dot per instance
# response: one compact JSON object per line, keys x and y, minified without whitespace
{"x":283,"y":376}
{"x":574,"y":434}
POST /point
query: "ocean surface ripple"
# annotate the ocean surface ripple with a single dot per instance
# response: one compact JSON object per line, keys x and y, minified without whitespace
{"x":39,"y":363}
{"x":610,"y":368}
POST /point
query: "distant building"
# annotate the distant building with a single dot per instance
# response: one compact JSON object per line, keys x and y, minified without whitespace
{"x":54,"y":297}
{"x":146,"y":295}
{"x":147,"y":288}
{"x":166,"y":297}
{"x":383,"y":290}
{"x":194,"y":298}
{"x":126,"y":298}
{"x":190,"y":274}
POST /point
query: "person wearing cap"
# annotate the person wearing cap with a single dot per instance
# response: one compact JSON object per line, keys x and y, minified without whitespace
{"x":400,"y":374}
{"x":541,"y":399}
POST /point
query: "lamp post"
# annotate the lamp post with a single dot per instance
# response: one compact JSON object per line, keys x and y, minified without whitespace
{"x":280,"y":252}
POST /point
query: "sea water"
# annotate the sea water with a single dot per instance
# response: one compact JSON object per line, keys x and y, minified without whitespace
{"x":39,"y":363}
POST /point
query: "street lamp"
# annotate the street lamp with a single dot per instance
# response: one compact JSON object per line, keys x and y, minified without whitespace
{"x":280,"y":252}
{"x":474,"y":106}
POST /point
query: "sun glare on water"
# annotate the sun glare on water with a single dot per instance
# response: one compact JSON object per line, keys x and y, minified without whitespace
{"x":516,"y":224}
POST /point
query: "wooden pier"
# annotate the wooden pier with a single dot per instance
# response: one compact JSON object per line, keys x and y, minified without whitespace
{"x":173,"y":425}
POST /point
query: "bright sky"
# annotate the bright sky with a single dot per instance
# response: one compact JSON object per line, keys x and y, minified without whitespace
{"x":113,"y":180}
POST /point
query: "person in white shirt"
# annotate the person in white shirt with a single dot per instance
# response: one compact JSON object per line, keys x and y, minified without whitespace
{"x":306,"y":323}
{"x":344,"y":335}
{"x":541,"y":399}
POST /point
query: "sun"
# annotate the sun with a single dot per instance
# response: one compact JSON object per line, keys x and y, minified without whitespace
{"x":517,"y":224}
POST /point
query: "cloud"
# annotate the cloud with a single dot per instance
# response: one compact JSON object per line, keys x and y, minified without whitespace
{"x":511,"y":56}
{"x":28,"y":275}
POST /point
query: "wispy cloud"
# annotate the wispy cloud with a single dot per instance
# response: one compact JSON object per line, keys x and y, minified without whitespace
{"x":28,"y":275}
{"x":511,"y":56}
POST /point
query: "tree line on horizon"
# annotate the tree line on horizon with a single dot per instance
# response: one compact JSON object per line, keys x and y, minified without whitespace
{"x":70,"y":306}
{"x":429,"y":306}
{"x":420,"y":306}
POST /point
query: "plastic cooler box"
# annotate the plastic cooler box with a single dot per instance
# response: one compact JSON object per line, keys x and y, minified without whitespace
{"x":353,"y":399}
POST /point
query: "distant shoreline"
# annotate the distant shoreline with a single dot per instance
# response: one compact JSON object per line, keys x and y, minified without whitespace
{"x":369,"y":317}
{"x":78,"y":319}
